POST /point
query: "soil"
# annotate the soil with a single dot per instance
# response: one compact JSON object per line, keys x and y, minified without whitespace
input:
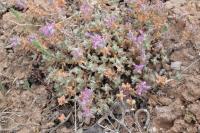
{"x":174,"y":109}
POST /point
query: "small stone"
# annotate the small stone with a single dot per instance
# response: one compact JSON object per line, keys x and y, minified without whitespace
{"x":2,"y":8}
{"x":162,"y":71}
{"x":176,"y":65}
{"x":21,"y":82}
{"x":165,"y":100}
{"x":94,"y":129}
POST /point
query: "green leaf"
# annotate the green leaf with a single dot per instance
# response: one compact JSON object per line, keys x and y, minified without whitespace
{"x":178,"y":76}
{"x":41,"y":48}
{"x":147,"y":44}
{"x":15,"y":13}
{"x":2,"y":88}
{"x":164,"y":28}
{"x":134,"y":79}
{"x":26,"y":85}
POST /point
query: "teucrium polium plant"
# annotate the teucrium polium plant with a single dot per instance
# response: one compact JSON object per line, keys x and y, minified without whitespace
{"x":99,"y":55}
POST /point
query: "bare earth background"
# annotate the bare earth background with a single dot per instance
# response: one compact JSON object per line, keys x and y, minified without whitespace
{"x":174,"y":110}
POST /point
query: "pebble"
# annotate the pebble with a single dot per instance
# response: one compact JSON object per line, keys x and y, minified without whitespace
{"x":174,"y":3}
{"x":94,"y":129}
{"x":176,"y":65}
{"x":2,"y":8}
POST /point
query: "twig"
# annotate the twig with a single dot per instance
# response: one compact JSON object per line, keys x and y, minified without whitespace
{"x":24,"y":24}
{"x":190,"y":65}
{"x":147,"y":119}
{"x":75,"y":124}
{"x":106,"y":128}
{"x":120,"y":122}
{"x":66,"y":119}
{"x":62,"y":21}
{"x":102,"y":119}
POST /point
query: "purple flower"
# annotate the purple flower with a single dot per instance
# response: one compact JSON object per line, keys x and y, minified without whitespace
{"x":85,"y":101}
{"x":87,"y":112}
{"x":77,"y":53}
{"x":159,"y":45}
{"x":140,"y":38}
{"x":138,"y":68}
{"x":14,"y":41}
{"x":131,"y":36}
{"x":136,"y":39}
{"x":21,"y":4}
{"x":159,"y":6}
{"x":142,"y":88}
{"x":129,"y":10}
{"x":144,"y":7}
{"x":97,"y":40}
{"x":110,"y":21}
{"x":48,"y":30}
{"x":86,"y":94}
{"x":32,"y":38}
{"x":86,"y":9}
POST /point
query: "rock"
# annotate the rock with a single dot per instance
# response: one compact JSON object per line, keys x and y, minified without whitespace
{"x":176,"y":65}
{"x":180,"y":126}
{"x":165,"y":100}
{"x":2,"y":8}
{"x":94,"y":129}
{"x":190,"y":90}
{"x":165,"y":115}
{"x":194,"y":108}
{"x":64,"y":130}
{"x":174,"y":3}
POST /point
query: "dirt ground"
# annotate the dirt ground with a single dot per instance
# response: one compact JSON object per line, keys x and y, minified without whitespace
{"x":174,"y":109}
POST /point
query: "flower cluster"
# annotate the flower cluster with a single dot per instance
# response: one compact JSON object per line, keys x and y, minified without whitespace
{"x":14,"y":41}
{"x":21,"y":4}
{"x":97,"y":40}
{"x":142,"y":88}
{"x":86,"y":10}
{"x":136,"y":39}
{"x":85,"y":101}
{"x":48,"y":30}
{"x":32,"y":37}
{"x":77,"y":53}
{"x":138,"y":68}
{"x":110,"y":22}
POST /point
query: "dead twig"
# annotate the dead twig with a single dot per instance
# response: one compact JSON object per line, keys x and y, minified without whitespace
{"x":75,"y":124}
{"x":121,"y":122}
{"x":191,"y":65}
{"x":146,"y":126}
{"x":19,"y":24}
